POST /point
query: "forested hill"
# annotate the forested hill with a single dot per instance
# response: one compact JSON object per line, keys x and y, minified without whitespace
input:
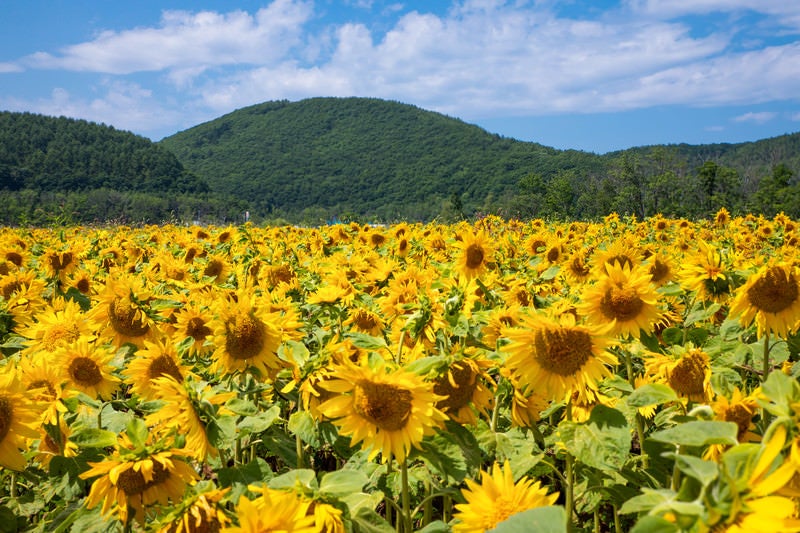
{"x":363,"y":156}
{"x":46,"y":153}
{"x":370,"y":160}
{"x":323,"y":158}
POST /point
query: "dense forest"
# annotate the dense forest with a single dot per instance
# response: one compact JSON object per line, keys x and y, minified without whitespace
{"x":365,"y":159}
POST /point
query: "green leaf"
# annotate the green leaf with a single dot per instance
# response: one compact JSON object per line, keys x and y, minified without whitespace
{"x":701,"y":315}
{"x":649,"y":499}
{"x":368,"y":342}
{"x":699,"y":433}
{"x":703,"y":471}
{"x":137,"y":432}
{"x":342,"y":482}
{"x":368,"y":521}
{"x":652,"y":394}
{"x":551,"y":519}
{"x":425,"y":365}
{"x":94,"y":438}
{"x":654,"y":524}
{"x":550,"y":273}
{"x":781,"y":391}
{"x":251,"y":425}
{"x":253,"y":472}
{"x":601,"y":442}
{"x":672,"y":336}
{"x":437,"y":526}
{"x":241,"y":406}
{"x":302,"y":477}
{"x":221,"y":431}
{"x":77,"y":296}
{"x":443,"y":456}
{"x":302,"y":424}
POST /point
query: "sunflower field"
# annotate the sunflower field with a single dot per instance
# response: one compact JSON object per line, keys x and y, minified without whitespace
{"x":510,"y":376}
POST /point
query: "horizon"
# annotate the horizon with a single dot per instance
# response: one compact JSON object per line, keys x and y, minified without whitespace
{"x":596,"y":77}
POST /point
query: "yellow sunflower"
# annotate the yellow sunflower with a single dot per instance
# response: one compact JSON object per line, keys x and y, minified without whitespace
{"x":244,"y":337}
{"x":739,"y":409}
{"x":122,"y":313}
{"x":154,"y":360}
{"x":54,"y":441}
{"x":61,"y":323}
{"x":557,"y":358}
{"x":771,"y":298}
{"x":706,"y":273}
{"x":19,"y":419}
{"x":86,"y":367}
{"x":463,"y":386}
{"x":364,"y":319}
{"x":273,"y":510}
{"x":199,"y":511}
{"x":687,"y":372}
{"x":496,"y":498}
{"x":476,"y":254}
{"x":184,"y":402}
{"x":139,"y":483}
{"x":193,"y":320}
{"x":623,"y":302}
{"x":42,"y":377}
{"x":388,"y":410}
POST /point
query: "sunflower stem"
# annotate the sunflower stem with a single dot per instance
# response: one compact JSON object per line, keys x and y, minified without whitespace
{"x":597,"y":520}
{"x":298,"y":446}
{"x":447,"y":508}
{"x":495,"y":410}
{"x":427,"y":509}
{"x":570,"y":477}
{"x":766,"y":365}
{"x":386,"y":497}
{"x":402,"y":341}
{"x":237,"y":453}
{"x":676,"y":473}
{"x":13,"y":488}
{"x":405,"y":497}
{"x":638,"y":417}
{"x":617,"y":525}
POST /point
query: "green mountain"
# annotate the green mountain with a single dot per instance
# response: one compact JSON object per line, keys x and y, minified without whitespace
{"x":367,"y":159}
{"x":362,"y":156}
{"x":326,"y":157}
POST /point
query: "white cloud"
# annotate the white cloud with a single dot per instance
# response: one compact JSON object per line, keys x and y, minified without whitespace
{"x":6,"y":68}
{"x":188,"y":40}
{"x":758,"y":118}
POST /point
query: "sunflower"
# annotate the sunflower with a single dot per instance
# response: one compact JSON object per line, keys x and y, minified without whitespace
{"x":476,"y":254}
{"x":58,"y":264}
{"x":463,"y":387}
{"x":273,"y":510}
{"x":496,"y":498}
{"x":201,"y":510}
{"x":706,"y":273}
{"x":497,"y":320}
{"x":388,"y":410}
{"x":327,"y":518}
{"x":154,"y":360}
{"x":19,"y":419}
{"x":771,"y":298}
{"x":244,"y":337}
{"x":122,"y":314}
{"x":193,"y":320}
{"x":576,"y":267}
{"x":23,"y":293}
{"x":557,"y":358}
{"x":54,"y":441}
{"x":623,"y":301}
{"x":687,"y":372}
{"x":362,"y":318}
{"x":86,"y":367}
{"x":739,"y":409}
{"x":43,"y":379}
{"x":527,"y":406}
{"x":184,"y":403}
{"x":138,"y":482}
{"x":61,"y":323}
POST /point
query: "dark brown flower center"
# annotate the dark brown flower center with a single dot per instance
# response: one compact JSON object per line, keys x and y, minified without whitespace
{"x":387,"y":406}
{"x":773,"y":291}
{"x":197,"y":329}
{"x":6,"y":417}
{"x":474,"y":256}
{"x":123,"y":317}
{"x":458,"y":387}
{"x":164,"y":365}
{"x":562,"y":351}
{"x":85,"y":372}
{"x":245,"y":337}
{"x":132,"y":482}
{"x":688,"y":376}
{"x":621,"y":304}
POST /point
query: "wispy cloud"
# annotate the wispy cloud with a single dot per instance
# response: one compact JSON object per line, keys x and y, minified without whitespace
{"x":758,"y":118}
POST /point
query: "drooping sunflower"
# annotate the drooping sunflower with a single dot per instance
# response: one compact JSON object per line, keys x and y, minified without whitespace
{"x":687,"y":372}
{"x":273,"y":510}
{"x":363,"y":318}
{"x":122,"y":313}
{"x":184,"y":403}
{"x":19,"y":419}
{"x":557,"y":358}
{"x":463,"y":386}
{"x":86,"y":367}
{"x":200,"y":510}
{"x":42,"y":377}
{"x":54,"y":441}
{"x":476,"y":254}
{"x":244,"y":337}
{"x":496,"y":498}
{"x":739,"y":409}
{"x":125,"y":481}
{"x":771,"y":298}
{"x":706,"y":272}
{"x":388,"y":410}
{"x":154,"y":360}
{"x":623,"y":302}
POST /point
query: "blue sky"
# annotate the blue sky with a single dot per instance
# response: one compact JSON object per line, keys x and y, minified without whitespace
{"x":589,"y":75}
